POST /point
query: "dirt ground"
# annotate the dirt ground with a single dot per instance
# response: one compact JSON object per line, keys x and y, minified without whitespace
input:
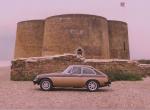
{"x":122,"y":95}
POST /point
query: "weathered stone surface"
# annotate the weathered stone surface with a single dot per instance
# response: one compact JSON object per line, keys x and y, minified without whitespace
{"x":67,"y":33}
{"x":29,"y":39}
{"x":94,"y":35}
{"x":118,"y":40}
{"x":28,"y":68}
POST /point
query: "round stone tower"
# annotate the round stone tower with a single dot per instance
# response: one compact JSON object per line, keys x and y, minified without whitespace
{"x":93,"y":37}
{"x":118,"y":38}
{"x":85,"y":35}
{"x":29,"y":39}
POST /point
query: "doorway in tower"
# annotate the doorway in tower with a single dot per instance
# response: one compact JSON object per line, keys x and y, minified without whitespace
{"x":79,"y":52}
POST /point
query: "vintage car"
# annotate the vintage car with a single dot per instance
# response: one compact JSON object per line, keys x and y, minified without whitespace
{"x":77,"y":76}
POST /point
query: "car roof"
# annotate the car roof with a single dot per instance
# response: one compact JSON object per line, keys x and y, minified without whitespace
{"x":87,"y":66}
{"x":82,"y":66}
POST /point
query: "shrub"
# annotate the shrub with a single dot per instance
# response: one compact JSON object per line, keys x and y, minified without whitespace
{"x":144,"y":61}
{"x":119,"y":75}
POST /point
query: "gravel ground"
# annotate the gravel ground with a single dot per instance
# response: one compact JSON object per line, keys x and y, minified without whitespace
{"x":122,"y":95}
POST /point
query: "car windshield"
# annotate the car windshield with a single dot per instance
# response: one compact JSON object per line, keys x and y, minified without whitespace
{"x":67,"y":70}
{"x":72,"y":70}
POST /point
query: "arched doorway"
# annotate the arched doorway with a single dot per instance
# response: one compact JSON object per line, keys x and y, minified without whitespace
{"x":79,"y":52}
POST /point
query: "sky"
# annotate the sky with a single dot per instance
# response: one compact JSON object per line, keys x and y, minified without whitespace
{"x":135,"y":13}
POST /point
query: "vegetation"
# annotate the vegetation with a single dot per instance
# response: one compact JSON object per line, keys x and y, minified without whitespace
{"x":144,"y":61}
{"x":119,"y":75}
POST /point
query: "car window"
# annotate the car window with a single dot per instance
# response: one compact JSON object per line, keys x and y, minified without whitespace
{"x":76,"y":70}
{"x":88,"y":71}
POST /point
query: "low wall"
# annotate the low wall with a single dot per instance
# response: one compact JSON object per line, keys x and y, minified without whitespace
{"x":28,"y":68}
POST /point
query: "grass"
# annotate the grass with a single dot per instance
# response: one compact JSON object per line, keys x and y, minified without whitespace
{"x":119,"y":75}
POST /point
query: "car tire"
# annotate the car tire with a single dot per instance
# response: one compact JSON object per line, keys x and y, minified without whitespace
{"x":46,"y":85}
{"x":92,"y":85}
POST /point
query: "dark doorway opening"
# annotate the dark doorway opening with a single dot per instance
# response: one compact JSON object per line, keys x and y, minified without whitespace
{"x":79,"y":52}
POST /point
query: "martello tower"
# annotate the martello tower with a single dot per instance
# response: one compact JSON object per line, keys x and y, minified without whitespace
{"x":88,"y":35}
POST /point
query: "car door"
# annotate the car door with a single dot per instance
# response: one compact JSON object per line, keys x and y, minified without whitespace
{"x":76,"y":79}
{"x":71,"y":79}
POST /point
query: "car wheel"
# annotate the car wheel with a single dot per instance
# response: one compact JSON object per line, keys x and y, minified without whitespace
{"x":92,"y":86}
{"x":46,"y":84}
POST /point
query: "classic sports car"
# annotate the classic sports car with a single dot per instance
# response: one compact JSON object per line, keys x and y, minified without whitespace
{"x":74,"y":76}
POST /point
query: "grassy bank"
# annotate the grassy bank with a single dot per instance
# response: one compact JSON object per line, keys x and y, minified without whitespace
{"x":119,"y":75}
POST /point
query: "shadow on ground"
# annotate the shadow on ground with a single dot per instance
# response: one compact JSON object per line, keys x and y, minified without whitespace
{"x":77,"y":89}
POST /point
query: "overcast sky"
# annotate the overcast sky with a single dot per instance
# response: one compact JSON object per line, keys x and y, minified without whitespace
{"x":135,"y":13}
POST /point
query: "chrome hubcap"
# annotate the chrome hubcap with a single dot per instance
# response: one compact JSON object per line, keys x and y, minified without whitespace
{"x":46,"y":85}
{"x":92,"y":85}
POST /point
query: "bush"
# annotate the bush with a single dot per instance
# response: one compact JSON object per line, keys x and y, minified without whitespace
{"x":144,"y":61}
{"x":119,"y":75}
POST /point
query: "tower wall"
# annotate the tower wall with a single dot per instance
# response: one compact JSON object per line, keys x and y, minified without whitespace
{"x":29,"y":39}
{"x":118,"y":38}
{"x":68,"y":33}
{"x":88,"y":35}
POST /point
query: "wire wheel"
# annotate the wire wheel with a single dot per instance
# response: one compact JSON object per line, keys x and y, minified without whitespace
{"x":46,"y":85}
{"x":92,"y":86}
